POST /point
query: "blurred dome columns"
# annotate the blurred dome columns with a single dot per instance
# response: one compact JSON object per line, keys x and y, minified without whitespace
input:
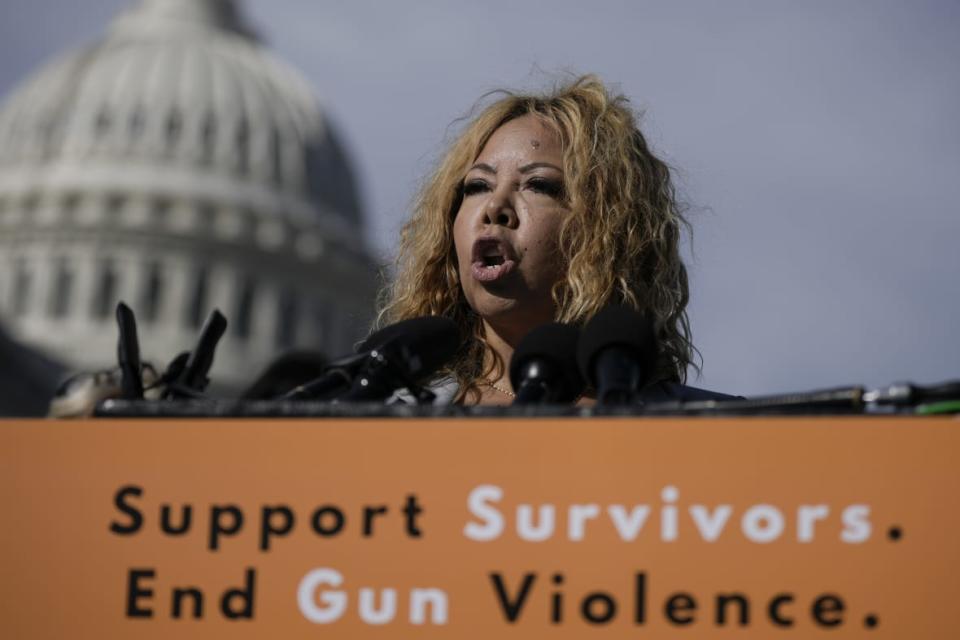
{"x":178,"y":165}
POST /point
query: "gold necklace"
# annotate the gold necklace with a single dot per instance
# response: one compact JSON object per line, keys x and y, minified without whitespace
{"x":505,"y":392}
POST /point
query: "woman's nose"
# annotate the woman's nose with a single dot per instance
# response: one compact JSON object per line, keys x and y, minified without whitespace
{"x":499,"y":210}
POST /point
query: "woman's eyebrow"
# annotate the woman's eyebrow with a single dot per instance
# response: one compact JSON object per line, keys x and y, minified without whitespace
{"x":527,"y":168}
{"x":484,"y":167}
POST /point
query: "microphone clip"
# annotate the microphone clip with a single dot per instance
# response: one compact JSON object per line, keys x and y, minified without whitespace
{"x":383,"y":372}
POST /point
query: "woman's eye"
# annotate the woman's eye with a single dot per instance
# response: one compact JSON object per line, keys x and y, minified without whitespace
{"x":552,"y":188}
{"x":475,"y":186}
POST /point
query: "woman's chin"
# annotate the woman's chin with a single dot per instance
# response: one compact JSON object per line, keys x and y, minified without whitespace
{"x":510,"y":315}
{"x":491,"y":305}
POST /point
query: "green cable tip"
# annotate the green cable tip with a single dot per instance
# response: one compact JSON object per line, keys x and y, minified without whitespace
{"x":936,"y":408}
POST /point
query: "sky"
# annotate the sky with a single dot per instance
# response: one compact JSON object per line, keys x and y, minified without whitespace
{"x":816,"y":145}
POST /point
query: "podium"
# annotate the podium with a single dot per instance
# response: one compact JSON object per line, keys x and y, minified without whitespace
{"x":480,"y":526}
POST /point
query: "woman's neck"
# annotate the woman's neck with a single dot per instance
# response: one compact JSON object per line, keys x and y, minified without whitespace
{"x":500,"y":391}
{"x":501,"y":341}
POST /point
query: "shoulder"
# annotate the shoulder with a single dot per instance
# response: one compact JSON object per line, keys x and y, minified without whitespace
{"x":667,"y":391}
{"x":444,"y":389}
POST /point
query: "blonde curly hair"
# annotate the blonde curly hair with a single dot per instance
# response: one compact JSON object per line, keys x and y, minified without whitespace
{"x":621,"y":241}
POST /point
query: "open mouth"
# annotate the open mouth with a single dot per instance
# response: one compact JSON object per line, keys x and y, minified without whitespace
{"x":492,"y":259}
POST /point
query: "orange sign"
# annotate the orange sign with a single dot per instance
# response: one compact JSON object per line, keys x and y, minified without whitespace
{"x":559,"y":528}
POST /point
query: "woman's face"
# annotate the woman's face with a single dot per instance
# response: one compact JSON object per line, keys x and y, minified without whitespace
{"x":507,"y":226}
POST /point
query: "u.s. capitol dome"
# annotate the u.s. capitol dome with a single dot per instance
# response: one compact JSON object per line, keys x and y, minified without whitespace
{"x":178,"y":165}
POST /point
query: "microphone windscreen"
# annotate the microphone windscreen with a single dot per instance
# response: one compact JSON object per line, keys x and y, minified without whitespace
{"x":431,"y":340}
{"x":556,"y":343}
{"x":617,"y":326}
{"x":194,"y":375}
{"x":128,"y":353}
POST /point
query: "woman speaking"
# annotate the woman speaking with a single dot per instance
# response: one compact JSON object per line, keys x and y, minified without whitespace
{"x":545,"y":208}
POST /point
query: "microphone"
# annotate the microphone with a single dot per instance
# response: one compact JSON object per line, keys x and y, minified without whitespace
{"x":415,"y":333}
{"x":543,"y":368}
{"x":907,"y":394}
{"x":617,"y":353}
{"x":128,"y":354}
{"x":337,"y":378}
{"x":402,"y":355}
{"x":193,"y":379}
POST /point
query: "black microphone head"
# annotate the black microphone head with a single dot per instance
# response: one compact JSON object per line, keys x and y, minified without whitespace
{"x":194,"y":375}
{"x":556,"y":344}
{"x":617,"y":326}
{"x":128,"y":354}
{"x":427,"y":343}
